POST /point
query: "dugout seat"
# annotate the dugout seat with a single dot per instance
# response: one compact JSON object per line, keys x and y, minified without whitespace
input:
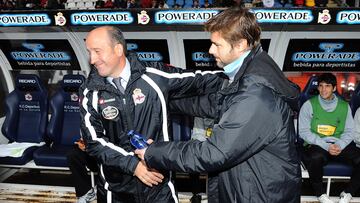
{"x":64,"y":125}
{"x":181,"y":127}
{"x":26,"y":118}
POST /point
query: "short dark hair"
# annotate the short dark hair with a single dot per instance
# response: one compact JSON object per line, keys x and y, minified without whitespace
{"x":234,"y":24}
{"x":117,"y":36}
{"x":328,"y":78}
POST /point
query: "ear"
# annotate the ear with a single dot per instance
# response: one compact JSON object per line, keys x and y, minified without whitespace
{"x":119,"y":50}
{"x":334,"y":89}
{"x":241,"y":46}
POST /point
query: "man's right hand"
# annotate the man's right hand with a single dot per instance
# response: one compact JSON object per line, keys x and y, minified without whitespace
{"x":80,"y":143}
{"x":334,"y":150}
{"x":141,"y":152}
{"x":147,"y":176}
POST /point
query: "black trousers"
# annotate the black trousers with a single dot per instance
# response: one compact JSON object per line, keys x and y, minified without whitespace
{"x":315,"y":158}
{"x":78,"y":160}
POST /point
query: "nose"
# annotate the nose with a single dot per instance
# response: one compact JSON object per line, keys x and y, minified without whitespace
{"x":92,"y":58}
{"x":211,"y":49}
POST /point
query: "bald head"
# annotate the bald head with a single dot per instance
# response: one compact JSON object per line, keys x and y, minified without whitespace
{"x":107,"y":48}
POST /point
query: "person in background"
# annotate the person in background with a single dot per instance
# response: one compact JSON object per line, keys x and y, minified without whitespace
{"x":108,"y":4}
{"x":357,"y":128}
{"x":79,"y":161}
{"x":207,"y":4}
{"x":99,"y":4}
{"x":201,"y":131}
{"x":251,"y":154}
{"x":326,"y":126}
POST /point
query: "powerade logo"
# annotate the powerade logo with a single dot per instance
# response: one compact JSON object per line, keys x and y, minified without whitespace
{"x":202,"y":56}
{"x":99,"y":18}
{"x":283,"y":16}
{"x":149,"y":56}
{"x":37,"y":55}
{"x":328,"y":55}
{"x":131,"y":46}
{"x":348,"y":17}
{"x":24,"y":19}
{"x":184,"y":17}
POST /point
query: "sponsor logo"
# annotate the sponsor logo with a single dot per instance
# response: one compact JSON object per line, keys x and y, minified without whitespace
{"x":37,"y":55}
{"x":72,"y":81}
{"x":149,"y":56}
{"x":110,"y":112}
{"x":25,"y":81}
{"x":283,"y":16}
{"x":184,"y":17}
{"x":329,"y":54}
{"x":98,"y":18}
{"x":24,"y":20}
{"x":103,"y":101}
{"x":348,"y":17}
{"x":202,"y":56}
{"x":131,"y":46}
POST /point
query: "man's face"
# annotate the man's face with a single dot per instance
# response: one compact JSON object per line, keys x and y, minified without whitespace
{"x":104,"y":55}
{"x":222,"y":50}
{"x":326,"y":90}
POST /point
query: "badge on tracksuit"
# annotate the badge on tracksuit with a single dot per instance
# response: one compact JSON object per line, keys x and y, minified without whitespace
{"x":110,"y":112}
{"x":138,"y":96}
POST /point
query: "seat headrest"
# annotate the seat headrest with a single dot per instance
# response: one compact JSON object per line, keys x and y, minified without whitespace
{"x":72,"y":83}
{"x":311,"y":86}
{"x":29,"y":83}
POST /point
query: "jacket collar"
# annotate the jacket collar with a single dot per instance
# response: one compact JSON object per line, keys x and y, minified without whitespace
{"x":97,"y":82}
{"x":233,"y":87}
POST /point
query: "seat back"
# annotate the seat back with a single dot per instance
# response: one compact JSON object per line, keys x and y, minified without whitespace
{"x":310,"y":90}
{"x":64,"y":124}
{"x":181,"y":127}
{"x":26,"y":110}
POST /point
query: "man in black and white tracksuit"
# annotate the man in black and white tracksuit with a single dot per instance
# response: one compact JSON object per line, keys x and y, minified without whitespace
{"x":110,"y":111}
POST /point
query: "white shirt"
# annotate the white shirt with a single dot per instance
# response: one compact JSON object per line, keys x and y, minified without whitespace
{"x":125,"y":76}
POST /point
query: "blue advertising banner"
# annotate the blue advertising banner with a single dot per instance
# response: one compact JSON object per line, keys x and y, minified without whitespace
{"x":54,"y":54}
{"x":153,"y":50}
{"x":165,"y":17}
{"x":197,"y":54}
{"x":311,"y":55}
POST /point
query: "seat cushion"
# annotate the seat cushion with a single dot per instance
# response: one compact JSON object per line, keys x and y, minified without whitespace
{"x":54,"y":156}
{"x":337,"y":169}
{"x":26,"y":157}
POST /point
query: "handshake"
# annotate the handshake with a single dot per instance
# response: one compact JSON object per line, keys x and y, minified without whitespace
{"x":141,"y":152}
{"x":146,"y":175}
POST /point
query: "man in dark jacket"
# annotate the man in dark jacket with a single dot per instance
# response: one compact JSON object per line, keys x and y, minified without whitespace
{"x":123,"y":94}
{"x":251,"y":155}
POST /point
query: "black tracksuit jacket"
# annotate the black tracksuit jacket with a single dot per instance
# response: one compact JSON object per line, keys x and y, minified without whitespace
{"x":108,"y":115}
{"x":251,"y":155}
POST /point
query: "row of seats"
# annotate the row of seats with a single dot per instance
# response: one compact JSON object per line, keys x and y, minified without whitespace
{"x":27,"y":120}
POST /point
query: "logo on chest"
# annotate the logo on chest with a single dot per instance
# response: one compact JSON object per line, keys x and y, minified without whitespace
{"x":138,"y":96}
{"x":110,"y":112}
